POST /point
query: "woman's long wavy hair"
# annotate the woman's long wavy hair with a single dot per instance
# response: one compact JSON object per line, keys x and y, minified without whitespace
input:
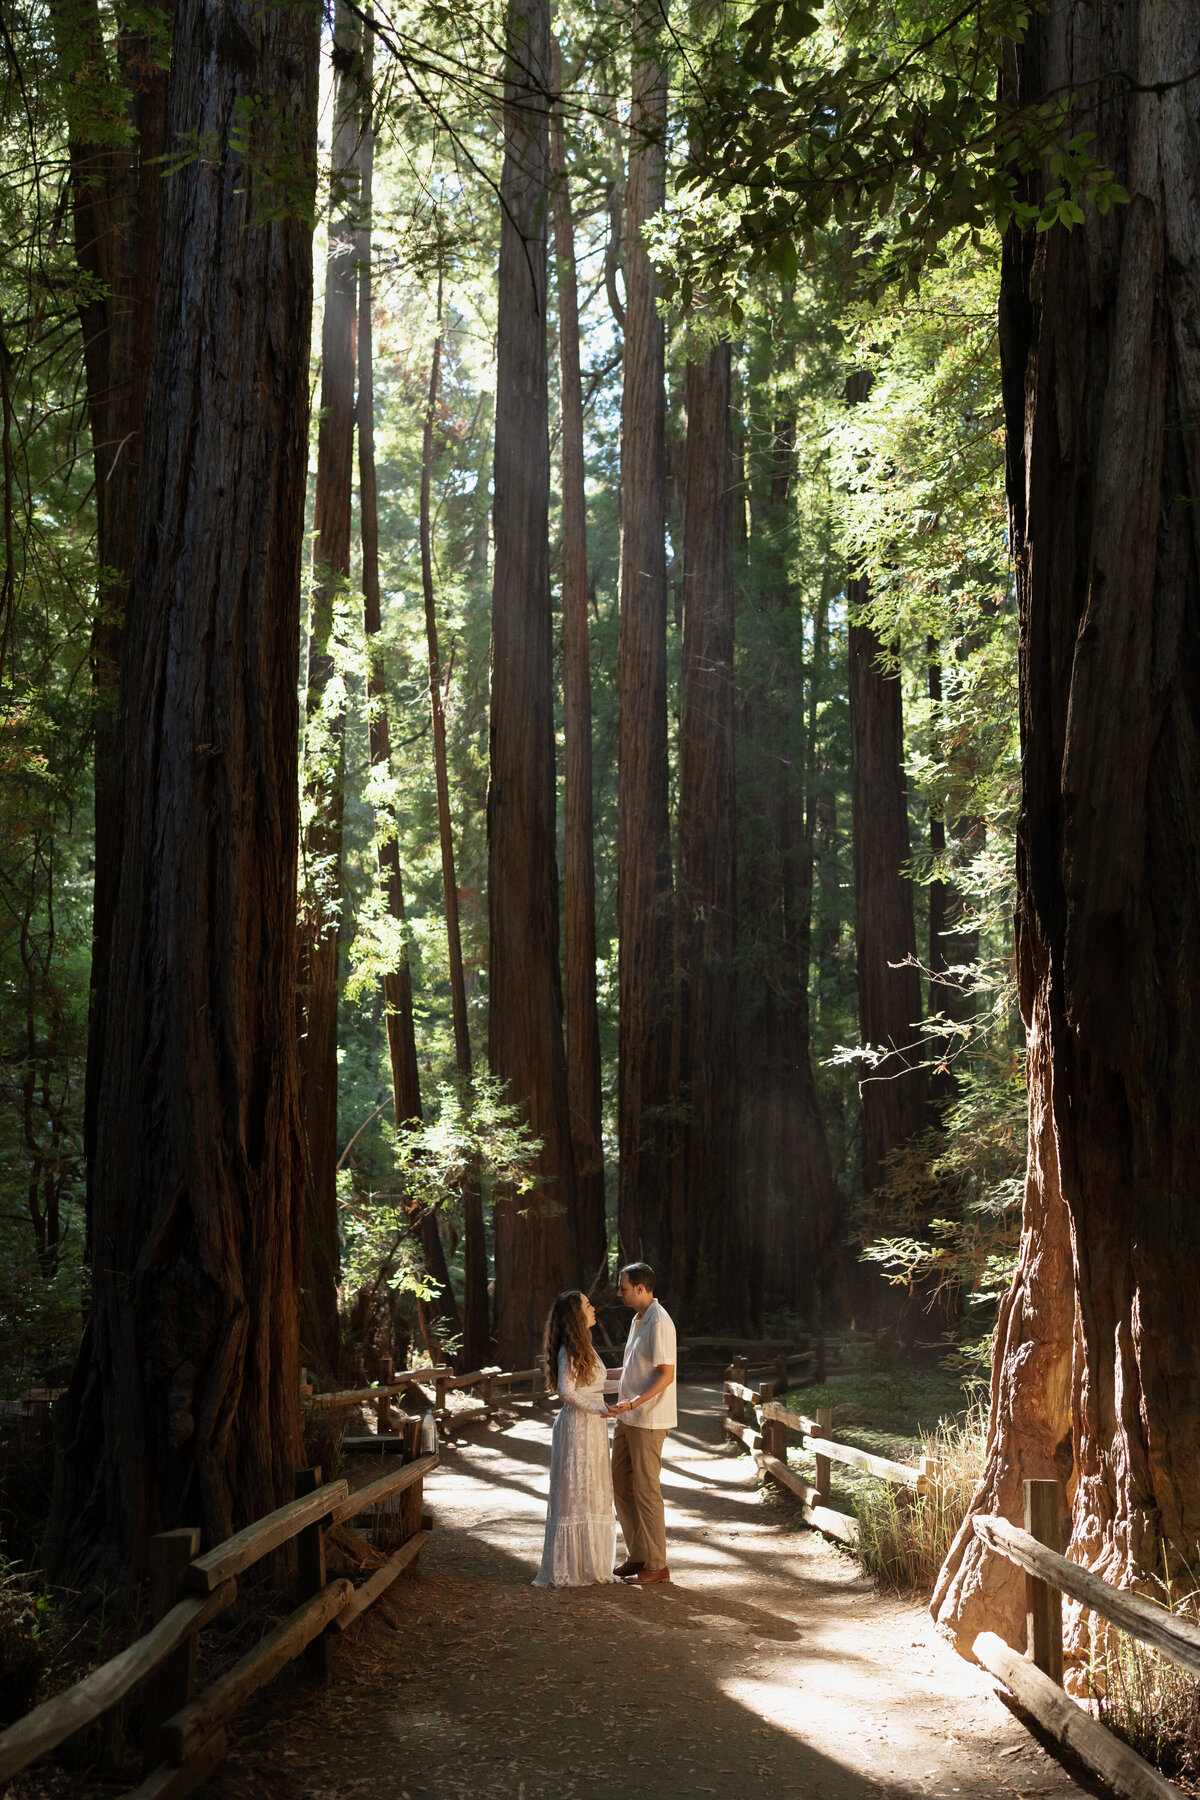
{"x":565,"y":1325}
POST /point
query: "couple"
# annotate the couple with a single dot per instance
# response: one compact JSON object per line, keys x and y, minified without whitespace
{"x":580,"y":1535}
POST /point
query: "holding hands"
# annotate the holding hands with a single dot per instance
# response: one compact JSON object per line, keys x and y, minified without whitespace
{"x":621,"y":1407}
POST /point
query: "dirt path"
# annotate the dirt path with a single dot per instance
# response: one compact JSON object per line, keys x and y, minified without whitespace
{"x":767,"y":1667}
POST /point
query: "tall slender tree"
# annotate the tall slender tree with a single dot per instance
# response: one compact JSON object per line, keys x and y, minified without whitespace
{"x":475,"y":1303}
{"x":643,"y":827}
{"x":534,"y":1235}
{"x":320,"y":922}
{"x":182,"y":1408}
{"x":439,"y":1316}
{"x":579,"y":858}
{"x":1096,"y":1359}
{"x":895,"y":1089}
{"x":711,"y":1227}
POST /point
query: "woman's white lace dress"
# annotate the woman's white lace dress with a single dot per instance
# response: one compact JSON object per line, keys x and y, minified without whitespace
{"x":581,"y":1531}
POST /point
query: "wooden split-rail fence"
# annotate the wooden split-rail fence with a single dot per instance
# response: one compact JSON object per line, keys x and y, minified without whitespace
{"x":185,"y":1732}
{"x":1034,"y":1677}
{"x":767,"y":1442}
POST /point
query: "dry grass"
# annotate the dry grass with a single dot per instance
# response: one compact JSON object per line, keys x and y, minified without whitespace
{"x":903,"y":1536}
{"x":1149,"y":1702}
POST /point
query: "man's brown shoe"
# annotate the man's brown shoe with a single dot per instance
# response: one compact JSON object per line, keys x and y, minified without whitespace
{"x":645,"y":1576}
{"x":627,"y":1569}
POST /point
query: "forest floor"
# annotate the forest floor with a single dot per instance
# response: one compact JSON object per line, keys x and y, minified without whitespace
{"x":767,"y":1666}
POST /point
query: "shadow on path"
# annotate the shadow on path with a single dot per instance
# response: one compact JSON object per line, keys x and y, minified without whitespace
{"x":767,"y":1666}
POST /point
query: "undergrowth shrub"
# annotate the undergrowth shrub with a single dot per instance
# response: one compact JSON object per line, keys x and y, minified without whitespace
{"x":903,"y":1536}
{"x":1142,"y":1697}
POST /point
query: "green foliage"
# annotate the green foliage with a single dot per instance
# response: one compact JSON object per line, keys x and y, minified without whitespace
{"x":886,"y":125}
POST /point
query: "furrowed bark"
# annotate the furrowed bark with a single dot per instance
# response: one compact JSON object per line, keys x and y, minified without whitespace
{"x":182,"y":1408}
{"x":535,"y":1243}
{"x":116,"y":196}
{"x":320,"y":920}
{"x":579,"y":871}
{"x":1099,"y":335}
{"x":711,"y":1215}
{"x":645,"y":1129}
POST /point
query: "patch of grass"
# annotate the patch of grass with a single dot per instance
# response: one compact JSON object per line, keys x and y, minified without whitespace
{"x":906,"y":1415}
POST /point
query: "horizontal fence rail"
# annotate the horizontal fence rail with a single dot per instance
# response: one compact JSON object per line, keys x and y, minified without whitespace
{"x":1036,"y":1677}
{"x":767,"y":1443}
{"x":186,"y":1732}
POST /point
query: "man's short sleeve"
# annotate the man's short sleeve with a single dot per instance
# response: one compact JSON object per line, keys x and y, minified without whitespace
{"x":663,"y":1345}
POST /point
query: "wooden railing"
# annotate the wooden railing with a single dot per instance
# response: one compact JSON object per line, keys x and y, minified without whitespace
{"x":185,"y":1734}
{"x":768,"y":1445}
{"x":434,"y":1383}
{"x":1036,"y":1677}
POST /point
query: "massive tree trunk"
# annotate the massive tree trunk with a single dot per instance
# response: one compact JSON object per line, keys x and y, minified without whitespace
{"x":1100,"y":329}
{"x":579,"y":871}
{"x":439,"y":1316}
{"x":116,"y":195}
{"x":711,"y":1228}
{"x":643,"y":830}
{"x":535,"y":1244}
{"x":183,"y":1408}
{"x":320,"y":919}
{"x":799,"y":1220}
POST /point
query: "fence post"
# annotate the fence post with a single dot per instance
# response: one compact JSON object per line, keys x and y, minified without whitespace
{"x":824,"y":1466}
{"x":819,"y":1364}
{"x":440,"y":1395}
{"x":487,"y":1390}
{"x":383,"y":1406}
{"x":781,"y":1373}
{"x":174,"y":1681}
{"x":1043,"y":1603}
{"x":737,"y":1406}
{"x":310,"y":1570}
{"x":411,"y":1503}
{"x":768,"y":1428}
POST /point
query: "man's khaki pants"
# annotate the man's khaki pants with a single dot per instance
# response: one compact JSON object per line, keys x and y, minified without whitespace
{"x":636,"y":1462}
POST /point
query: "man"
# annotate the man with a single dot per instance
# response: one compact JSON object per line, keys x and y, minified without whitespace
{"x":645,"y":1412}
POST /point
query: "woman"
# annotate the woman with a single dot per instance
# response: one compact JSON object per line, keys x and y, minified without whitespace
{"x":581,"y":1532}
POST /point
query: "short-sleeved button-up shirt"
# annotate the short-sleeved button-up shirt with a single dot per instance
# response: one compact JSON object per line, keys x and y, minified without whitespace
{"x":651,"y":1342}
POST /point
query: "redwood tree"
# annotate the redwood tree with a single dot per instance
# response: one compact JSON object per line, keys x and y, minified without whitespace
{"x":116,"y":193}
{"x":1097,"y":1351}
{"x":183,"y":1405}
{"x":643,"y":830}
{"x":712,"y":1218}
{"x":579,"y":861}
{"x":321,"y":887}
{"x":535,"y":1242}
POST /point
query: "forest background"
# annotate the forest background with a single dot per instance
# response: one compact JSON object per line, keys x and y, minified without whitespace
{"x":670,"y":608}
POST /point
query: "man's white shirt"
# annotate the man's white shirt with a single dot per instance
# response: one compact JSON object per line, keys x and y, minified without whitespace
{"x":651,"y":1342}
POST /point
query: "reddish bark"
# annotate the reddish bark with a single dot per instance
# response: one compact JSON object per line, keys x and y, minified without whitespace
{"x":1099,"y":334}
{"x":318,"y":953}
{"x":645,"y":1129}
{"x":579,"y":871}
{"x":183,"y":1406}
{"x":711,"y":1235}
{"x":116,"y":196}
{"x":535,"y":1245}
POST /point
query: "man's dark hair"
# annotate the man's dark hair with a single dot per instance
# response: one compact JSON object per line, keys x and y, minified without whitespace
{"x":640,"y":1275}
